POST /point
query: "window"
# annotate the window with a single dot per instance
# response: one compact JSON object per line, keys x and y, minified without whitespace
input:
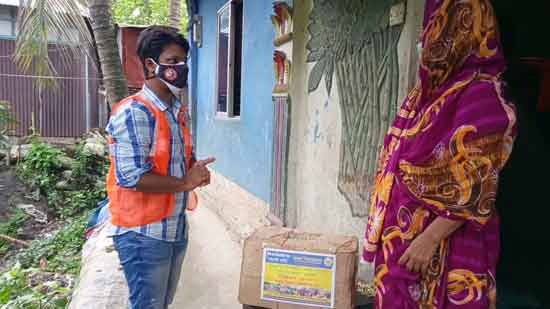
{"x":229,"y":41}
{"x":7,"y":21}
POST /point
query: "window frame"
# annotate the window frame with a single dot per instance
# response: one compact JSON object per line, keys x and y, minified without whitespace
{"x":230,"y":5}
{"x":12,"y":19}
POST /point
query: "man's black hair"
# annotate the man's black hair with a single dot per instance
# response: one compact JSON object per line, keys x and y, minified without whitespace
{"x":153,"y":40}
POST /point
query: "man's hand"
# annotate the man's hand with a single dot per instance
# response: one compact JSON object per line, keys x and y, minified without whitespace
{"x":198,"y":175}
{"x":419,"y":254}
{"x":192,"y":162}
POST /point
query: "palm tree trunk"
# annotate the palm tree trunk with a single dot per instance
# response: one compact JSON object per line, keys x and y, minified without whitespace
{"x":108,"y":50}
{"x":174,"y":16}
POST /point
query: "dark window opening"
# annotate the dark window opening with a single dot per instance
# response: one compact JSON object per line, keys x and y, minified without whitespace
{"x":229,"y":59}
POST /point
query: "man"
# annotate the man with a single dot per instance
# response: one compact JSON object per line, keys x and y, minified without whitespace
{"x":152,"y":172}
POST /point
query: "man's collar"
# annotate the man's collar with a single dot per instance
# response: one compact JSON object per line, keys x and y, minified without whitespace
{"x":154,"y":99}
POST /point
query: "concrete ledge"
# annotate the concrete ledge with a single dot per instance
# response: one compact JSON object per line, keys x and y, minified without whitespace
{"x":241,"y":211}
{"x":101,"y":282}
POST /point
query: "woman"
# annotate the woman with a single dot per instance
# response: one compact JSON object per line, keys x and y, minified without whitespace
{"x":433,"y":232}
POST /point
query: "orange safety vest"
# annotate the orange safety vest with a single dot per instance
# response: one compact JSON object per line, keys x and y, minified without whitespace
{"x":131,"y":208}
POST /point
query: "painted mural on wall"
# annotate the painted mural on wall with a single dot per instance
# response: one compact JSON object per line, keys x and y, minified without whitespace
{"x":282,"y":72}
{"x":282,"y":20}
{"x":354,"y":46}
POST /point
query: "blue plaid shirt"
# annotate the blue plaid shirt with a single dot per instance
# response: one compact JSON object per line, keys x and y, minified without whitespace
{"x":133,"y":129}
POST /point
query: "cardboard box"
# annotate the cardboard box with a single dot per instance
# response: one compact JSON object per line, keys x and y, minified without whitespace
{"x":271,"y":239}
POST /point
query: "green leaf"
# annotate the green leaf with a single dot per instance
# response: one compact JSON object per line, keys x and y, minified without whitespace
{"x":149,"y":12}
{"x":315,"y":28}
{"x":40,"y":19}
{"x":316,"y":55}
{"x":329,"y":73}
{"x":317,"y":42}
{"x":316,"y":75}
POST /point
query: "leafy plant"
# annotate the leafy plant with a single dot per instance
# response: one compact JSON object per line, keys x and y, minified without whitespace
{"x":145,"y":12}
{"x":11,"y":227}
{"x":75,"y":202}
{"x":88,"y":167}
{"x":13,"y":283}
{"x":6,"y":118}
{"x":38,"y":22}
{"x":61,"y":251}
{"x":16,"y":291}
{"x":41,"y":167}
{"x":87,"y":187}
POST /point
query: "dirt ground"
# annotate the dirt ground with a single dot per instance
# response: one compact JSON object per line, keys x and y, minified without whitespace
{"x":13,"y":193}
{"x":7,"y":187}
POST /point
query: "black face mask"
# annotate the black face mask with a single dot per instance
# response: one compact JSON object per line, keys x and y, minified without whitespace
{"x":173,"y":75}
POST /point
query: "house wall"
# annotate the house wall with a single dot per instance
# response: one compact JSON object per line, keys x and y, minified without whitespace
{"x":315,"y":202}
{"x":242,"y":147}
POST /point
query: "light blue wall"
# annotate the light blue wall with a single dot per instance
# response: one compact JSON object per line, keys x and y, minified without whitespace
{"x":243,"y":148}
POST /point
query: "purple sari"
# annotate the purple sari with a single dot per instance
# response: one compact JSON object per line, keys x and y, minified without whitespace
{"x":442,"y":157}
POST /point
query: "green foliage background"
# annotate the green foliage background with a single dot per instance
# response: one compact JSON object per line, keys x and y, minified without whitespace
{"x":146,"y":12}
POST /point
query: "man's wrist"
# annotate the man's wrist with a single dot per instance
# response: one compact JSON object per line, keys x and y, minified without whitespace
{"x":184,"y":185}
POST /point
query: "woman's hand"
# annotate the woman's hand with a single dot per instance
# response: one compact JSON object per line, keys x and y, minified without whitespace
{"x":493,"y":298}
{"x":419,"y":254}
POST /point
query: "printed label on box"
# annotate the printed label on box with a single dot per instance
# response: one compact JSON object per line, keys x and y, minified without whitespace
{"x":300,"y":278}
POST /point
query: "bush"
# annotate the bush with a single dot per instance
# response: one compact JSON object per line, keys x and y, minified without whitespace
{"x":76,"y":202}
{"x":16,"y":291}
{"x":41,"y":168}
{"x":89,"y":168}
{"x":61,"y":251}
{"x":88,"y":184}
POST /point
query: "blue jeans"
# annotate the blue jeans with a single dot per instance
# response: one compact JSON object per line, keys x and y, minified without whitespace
{"x":152,"y":268}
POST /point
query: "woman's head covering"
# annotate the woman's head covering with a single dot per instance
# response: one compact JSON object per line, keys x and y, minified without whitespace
{"x":459,"y":37}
